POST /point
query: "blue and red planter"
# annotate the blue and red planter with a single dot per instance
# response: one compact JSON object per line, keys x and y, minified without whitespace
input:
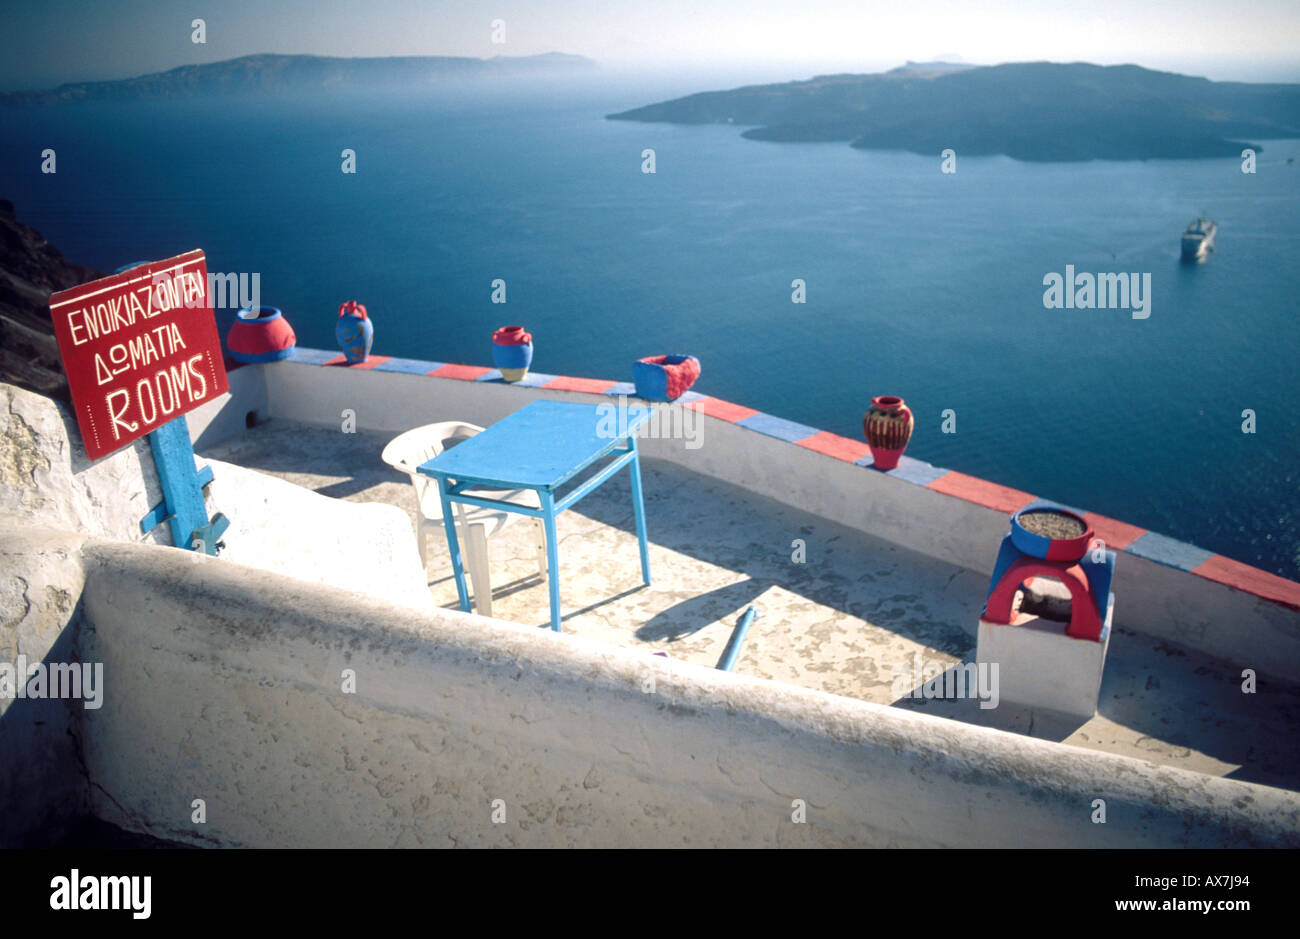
{"x":1026,"y":554}
{"x":260,"y":334}
{"x":512,"y":352}
{"x":354,"y":332}
{"x":664,"y":377}
{"x":1050,"y":549}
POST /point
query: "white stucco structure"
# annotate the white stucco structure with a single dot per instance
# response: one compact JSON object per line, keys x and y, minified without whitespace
{"x":304,"y":713}
{"x":1040,"y":667}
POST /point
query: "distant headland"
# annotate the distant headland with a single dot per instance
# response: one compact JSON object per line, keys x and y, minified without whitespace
{"x":1032,"y":111}
{"x":273,"y":73}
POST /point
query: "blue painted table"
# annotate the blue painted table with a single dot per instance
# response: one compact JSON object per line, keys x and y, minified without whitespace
{"x":542,"y":446}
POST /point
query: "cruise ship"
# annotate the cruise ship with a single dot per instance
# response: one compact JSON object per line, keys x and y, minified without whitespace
{"x":1198,"y":240}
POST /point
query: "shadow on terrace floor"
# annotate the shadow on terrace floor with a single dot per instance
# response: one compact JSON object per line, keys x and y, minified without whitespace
{"x":835,"y":619}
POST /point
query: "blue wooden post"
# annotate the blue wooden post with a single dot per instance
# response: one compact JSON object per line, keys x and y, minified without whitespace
{"x":182,"y":487}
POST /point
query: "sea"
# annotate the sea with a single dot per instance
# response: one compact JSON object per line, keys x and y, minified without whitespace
{"x":915,"y":282}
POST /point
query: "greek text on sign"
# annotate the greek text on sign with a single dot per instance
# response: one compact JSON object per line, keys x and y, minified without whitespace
{"x":140,"y":349}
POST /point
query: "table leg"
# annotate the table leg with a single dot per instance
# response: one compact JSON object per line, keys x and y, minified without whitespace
{"x":453,"y":545}
{"x":552,"y":556}
{"x":638,"y":508}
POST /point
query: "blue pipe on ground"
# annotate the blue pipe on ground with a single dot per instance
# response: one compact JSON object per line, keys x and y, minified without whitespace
{"x":732,"y":652}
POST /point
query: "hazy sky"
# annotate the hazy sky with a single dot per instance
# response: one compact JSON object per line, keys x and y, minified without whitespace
{"x":45,"y":42}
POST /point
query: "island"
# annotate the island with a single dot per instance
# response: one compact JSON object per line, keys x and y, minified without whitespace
{"x":276,"y":73}
{"x":1031,"y":111}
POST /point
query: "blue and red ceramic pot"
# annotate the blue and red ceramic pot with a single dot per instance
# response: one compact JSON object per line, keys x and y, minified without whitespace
{"x":1051,"y":532}
{"x":664,"y":377}
{"x":512,"y":352}
{"x":887,"y":425}
{"x":354,"y":332}
{"x":260,"y":334}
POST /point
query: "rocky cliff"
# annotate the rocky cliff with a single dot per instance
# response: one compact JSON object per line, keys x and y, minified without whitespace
{"x":30,"y":270}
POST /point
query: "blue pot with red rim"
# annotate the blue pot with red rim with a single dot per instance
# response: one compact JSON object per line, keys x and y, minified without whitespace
{"x":512,"y":352}
{"x":1051,"y":532}
{"x":354,"y":332}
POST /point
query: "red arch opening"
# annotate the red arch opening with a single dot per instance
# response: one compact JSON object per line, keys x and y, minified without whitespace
{"x":1085,"y":623}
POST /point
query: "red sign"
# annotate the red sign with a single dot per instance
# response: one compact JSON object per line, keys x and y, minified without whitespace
{"x":140,"y":349}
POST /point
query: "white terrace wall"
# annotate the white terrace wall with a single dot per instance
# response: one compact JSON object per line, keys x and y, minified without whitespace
{"x":48,"y":489}
{"x":225,"y":684}
{"x":1234,"y":625}
{"x":51,"y":497}
{"x":43,"y":787}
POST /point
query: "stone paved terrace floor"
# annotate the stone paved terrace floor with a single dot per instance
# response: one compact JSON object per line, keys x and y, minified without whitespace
{"x":846,"y":621}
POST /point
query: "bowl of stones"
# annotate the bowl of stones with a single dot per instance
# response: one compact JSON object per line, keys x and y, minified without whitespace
{"x":1050,"y":532}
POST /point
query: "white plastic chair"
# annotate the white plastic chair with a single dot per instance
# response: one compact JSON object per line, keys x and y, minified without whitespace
{"x":474,"y":525}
